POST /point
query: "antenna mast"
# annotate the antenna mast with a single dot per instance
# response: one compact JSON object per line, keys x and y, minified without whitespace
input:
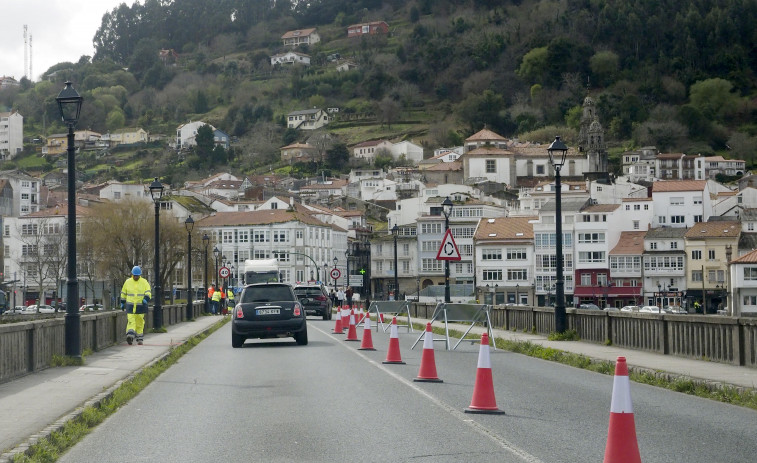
{"x":26,"y":52}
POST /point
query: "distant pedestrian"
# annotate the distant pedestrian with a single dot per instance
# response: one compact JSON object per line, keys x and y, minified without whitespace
{"x":332,"y":296}
{"x":215,"y":301}
{"x":348,"y":294}
{"x":135,"y":294}
{"x":340,"y":297}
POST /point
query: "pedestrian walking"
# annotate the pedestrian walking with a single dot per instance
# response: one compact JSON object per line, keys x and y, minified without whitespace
{"x":340,"y":296}
{"x":348,"y":294}
{"x":135,"y":294}
{"x":230,"y":298}
{"x":332,"y":296}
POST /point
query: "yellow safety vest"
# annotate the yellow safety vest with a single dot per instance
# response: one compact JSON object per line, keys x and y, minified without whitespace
{"x":230,"y":295}
{"x":134,"y":292}
{"x":217,"y":296}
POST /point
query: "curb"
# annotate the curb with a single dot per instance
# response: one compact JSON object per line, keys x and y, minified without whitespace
{"x":95,"y":401}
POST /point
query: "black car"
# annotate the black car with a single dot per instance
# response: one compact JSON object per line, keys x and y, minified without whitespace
{"x":268,"y":310}
{"x":315,"y":300}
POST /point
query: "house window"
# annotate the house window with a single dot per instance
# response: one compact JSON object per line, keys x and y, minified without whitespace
{"x":637,"y":207}
{"x":274,"y":205}
{"x":635,"y":224}
{"x":260,"y":236}
{"x":516,"y":254}
{"x":491,"y":254}
{"x":492,"y":275}
{"x":646,"y":207}
{"x":539,"y":170}
{"x":696,"y":275}
{"x":661,"y":219}
{"x":591,"y":237}
{"x":677,"y":219}
{"x":674,"y":245}
{"x":676,"y":201}
{"x":711,"y":254}
{"x":280,"y":236}
{"x":697,"y":200}
{"x":591,"y":256}
{"x":697,"y":218}
{"x":519,"y":274}
{"x":405,"y":267}
{"x":431,"y":265}
{"x":696,"y":254}
{"x":653,"y":246}
{"x":491,"y":166}
{"x":628,"y":207}
{"x":586,"y":279}
{"x":750,"y":226}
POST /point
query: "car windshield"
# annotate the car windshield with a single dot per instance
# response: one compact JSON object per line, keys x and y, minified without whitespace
{"x":308,"y":291}
{"x":266,"y":293}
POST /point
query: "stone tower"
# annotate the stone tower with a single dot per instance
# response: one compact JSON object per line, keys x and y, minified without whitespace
{"x":591,"y":138}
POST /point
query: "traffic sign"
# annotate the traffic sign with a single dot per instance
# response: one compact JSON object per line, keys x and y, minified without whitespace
{"x":448,"y":250}
{"x":355,"y":280}
{"x":224,"y":272}
{"x":335,"y":273}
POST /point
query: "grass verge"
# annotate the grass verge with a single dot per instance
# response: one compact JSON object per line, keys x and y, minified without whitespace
{"x":51,"y":448}
{"x":743,"y":397}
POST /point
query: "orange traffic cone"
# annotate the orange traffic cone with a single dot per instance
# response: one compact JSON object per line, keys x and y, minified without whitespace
{"x":367,"y":343}
{"x":483,"y":400}
{"x":352,"y":332}
{"x":427,"y":372}
{"x":393,"y":354}
{"x":622,"y":446}
{"x":338,"y":324}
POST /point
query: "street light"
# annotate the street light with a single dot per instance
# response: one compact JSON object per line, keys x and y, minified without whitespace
{"x":335,"y":262}
{"x":659,"y":294}
{"x":156,"y":191}
{"x":517,"y":290}
{"x":418,"y":288}
{"x":446,"y":210}
{"x":69,"y":105}
{"x":205,"y":240}
{"x":395,"y":232}
{"x":347,"y":256}
{"x":216,"y":253}
{"x":189,"y":225}
{"x":557,"y":152}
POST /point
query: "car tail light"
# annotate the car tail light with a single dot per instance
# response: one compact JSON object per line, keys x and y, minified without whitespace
{"x":320,"y":298}
{"x":240,"y":312}
{"x":297,"y":310}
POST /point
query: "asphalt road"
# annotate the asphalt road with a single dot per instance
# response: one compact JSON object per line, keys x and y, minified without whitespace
{"x":275,"y":401}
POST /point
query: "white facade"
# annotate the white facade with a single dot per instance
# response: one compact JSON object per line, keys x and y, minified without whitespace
{"x":117,"y":191}
{"x":26,"y":197}
{"x":290,"y":57}
{"x":411,"y":151}
{"x":11,"y":135}
{"x":681,"y":208}
{"x":635,"y":215}
{"x":368,"y":150}
{"x":186,"y":133}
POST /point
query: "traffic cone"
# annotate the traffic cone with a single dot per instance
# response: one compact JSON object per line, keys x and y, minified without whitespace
{"x":622,"y":446}
{"x":352,"y":332}
{"x":483,"y":400}
{"x":427,"y":372}
{"x":367,"y":343}
{"x":338,"y":324}
{"x":393,"y":354}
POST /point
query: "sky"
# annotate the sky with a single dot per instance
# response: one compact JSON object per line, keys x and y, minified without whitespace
{"x":61,"y":31}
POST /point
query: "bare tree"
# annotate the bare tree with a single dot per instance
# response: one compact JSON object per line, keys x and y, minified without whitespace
{"x":43,"y":252}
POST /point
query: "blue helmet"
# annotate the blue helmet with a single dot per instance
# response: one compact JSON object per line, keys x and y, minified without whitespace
{"x":136,"y":270}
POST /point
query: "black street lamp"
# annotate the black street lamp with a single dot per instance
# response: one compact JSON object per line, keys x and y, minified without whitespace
{"x":418,"y":288}
{"x":659,"y":295}
{"x":517,"y":291}
{"x":216,"y":253}
{"x":156,"y":191}
{"x":446,"y":210}
{"x":395,"y":232}
{"x":69,"y":105}
{"x":557,"y":152}
{"x":347,"y":256}
{"x":189,"y":225}
{"x":205,"y":240}
{"x":335,"y":262}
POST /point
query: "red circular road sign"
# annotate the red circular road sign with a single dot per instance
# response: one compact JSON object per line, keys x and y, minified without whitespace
{"x":224,"y":272}
{"x":335,"y":273}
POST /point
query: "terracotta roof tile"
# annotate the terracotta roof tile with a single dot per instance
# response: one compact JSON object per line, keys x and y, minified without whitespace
{"x":505,"y":228}
{"x":630,"y":242}
{"x":722,"y":229}
{"x":748,"y":258}
{"x":600,"y":208}
{"x":485,"y":134}
{"x":678,"y":185}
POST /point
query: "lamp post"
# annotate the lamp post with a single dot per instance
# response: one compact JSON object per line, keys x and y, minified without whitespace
{"x":69,"y":104}
{"x":395,"y":232}
{"x":335,"y":262}
{"x":347,"y":256}
{"x":557,"y":152}
{"x":517,"y":291}
{"x":205,"y":240}
{"x":216,"y":253}
{"x":418,"y":288}
{"x":189,"y":225}
{"x":156,"y":191}
{"x":659,"y":295}
{"x":446,"y":210}
{"x":728,"y":304}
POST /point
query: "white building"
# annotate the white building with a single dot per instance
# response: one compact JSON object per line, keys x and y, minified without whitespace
{"x":294,"y":237}
{"x":681,"y":203}
{"x":308,"y":119}
{"x":11,"y":135}
{"x":409,"y":150}
{"x":117,"y":191}
{"x":290,"y":57}
{"x":186,"y":133}
{"x":743,"y":285}
{"x":26,"y":192}
{"x":368,"y":149}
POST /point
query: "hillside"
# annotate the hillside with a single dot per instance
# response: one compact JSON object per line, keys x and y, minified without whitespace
{"x":678,"y":75}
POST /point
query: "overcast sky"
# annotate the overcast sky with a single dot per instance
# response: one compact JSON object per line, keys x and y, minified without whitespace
{"x":61,"y":31}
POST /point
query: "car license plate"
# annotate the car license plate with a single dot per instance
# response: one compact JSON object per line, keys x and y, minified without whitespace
{"x":268,"y":311}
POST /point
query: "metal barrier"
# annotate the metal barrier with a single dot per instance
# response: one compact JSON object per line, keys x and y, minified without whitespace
{"x":393,"y":308}
{"x":460,"y":313}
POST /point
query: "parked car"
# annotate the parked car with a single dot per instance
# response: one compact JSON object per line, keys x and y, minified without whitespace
{"x":630,"y":308}
{"x":611,"y":309}
{"x":589,"y":307}
{"x":19,"y":309}
{"x":675,"y":309}
{"x":268,"y":310}
{"x":90,"y":307}
{"x":315,"y":300}
{"x":650,"y":309}
{"x":41,"y":308}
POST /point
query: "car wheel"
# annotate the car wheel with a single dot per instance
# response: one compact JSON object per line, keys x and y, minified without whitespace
{"x":301,"y":337}
{"x":236,"y":340}
{"x":326,"y":314}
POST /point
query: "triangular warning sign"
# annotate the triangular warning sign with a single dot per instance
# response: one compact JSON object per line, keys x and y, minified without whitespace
{"x":448,"y":250}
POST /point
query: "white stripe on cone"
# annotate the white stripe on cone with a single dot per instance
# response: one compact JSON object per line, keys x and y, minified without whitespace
{"x":367,"y":323}
{"x":428,"y":339}
{"x":621,"y":395}
{"x":393,"y":331}
{"x":484,"y":361}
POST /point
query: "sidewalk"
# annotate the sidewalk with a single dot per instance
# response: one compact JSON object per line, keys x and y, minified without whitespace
{"x":709,"y":372}
{"x":37,"y":404}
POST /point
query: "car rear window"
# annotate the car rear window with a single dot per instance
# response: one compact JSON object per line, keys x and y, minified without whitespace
{"x":308,"y":291}
{"x":266,"y":293}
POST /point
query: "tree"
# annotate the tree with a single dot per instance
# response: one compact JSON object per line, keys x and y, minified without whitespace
{"x":43,"y":252}
{"x":604,"y":65}
{"x":714,"y":97}
{"x":388,"y":111}
{"x":338,"y":156}
{"x":533,"y":66}
{"x":205,"y":143}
